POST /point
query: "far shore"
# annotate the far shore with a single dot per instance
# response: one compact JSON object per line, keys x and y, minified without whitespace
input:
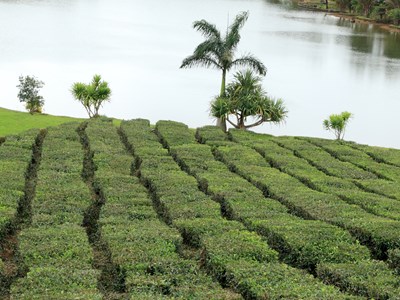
{"x":353,"y":18}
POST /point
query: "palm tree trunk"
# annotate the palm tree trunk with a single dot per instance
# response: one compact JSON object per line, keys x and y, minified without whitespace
{"x":221,"y":121}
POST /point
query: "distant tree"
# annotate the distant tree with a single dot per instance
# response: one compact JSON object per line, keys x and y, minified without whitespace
{"x":365,"y":6}
{"x":344,"y":5}
{"x":244,"y":99}
{"x":392,"y":3}
{"x":219,"y":52}
{"x":337,"y":124}
{"x":29,"y":93}
{"x":394,"y":15}
{"x":92,"y":95}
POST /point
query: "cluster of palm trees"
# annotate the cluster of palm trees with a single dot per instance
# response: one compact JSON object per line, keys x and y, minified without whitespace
{"x":244,"y":97}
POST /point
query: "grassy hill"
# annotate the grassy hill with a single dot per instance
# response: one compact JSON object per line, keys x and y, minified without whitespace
{"x":12,"y":122}
{"x":89,"y":210}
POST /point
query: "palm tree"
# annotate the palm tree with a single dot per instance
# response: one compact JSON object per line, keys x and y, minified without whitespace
{"x":92,"y":95}
{"x":218,"y":52}
{"x":246,"y":98}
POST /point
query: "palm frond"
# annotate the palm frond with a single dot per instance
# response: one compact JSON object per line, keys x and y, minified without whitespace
{"x":206,"y":29}
{"x":210,"y":46}
{"x":251,"y":62}
{"x":232,"y":36}
{"x":204,"y":61}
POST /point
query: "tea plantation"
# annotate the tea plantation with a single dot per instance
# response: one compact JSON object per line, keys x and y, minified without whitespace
{"x":90,"y":210}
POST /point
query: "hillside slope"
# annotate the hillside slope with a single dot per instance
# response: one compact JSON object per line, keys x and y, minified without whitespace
{"x":12,"y":122}
{"x":94,"y":211}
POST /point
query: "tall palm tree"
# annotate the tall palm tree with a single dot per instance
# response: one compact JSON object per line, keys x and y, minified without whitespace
{"x":218,"y":51}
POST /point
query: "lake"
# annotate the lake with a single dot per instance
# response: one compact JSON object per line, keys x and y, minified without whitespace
{"x":319,"y":64}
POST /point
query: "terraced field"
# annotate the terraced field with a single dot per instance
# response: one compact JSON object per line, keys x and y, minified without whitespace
{"x":94,"y":211}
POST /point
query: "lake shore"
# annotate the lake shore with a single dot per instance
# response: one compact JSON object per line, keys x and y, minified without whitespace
{"x":313,"y":6}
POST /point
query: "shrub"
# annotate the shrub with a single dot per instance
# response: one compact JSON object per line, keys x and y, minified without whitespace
{"x":337,"y":124}
{"x":28,"y":93}
{"x":93,"y":95}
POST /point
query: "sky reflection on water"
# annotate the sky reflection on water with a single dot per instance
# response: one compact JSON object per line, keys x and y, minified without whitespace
{"x":319,"y":64}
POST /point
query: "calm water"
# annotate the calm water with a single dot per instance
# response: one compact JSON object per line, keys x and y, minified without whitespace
{"x":317,"y":63}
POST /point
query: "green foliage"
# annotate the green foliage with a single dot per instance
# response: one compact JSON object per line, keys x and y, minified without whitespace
{"x":219,"y":52}
{"x":245,"y":98}
{"x":145,"y":247}
{"x":286,"y":161}
{"x":337,"y":124}
{"x":55,"y":248}
{"x":93,"y":95}
{"x":211,"y":135}
{"x":222,"y":244}
{"x":370,"y":278}
{"x":324,"y":161}
{"x":241,"y":201}
{"x":50,"y":282}
{"x":13,"y":122}
{"x":344,"y":5}
{"x":379,"y":233}
{"x":277,"y":207}
{"x":364,"y":6}
{"x":394,"y":259}
{"x":15,"y":156}
{"x":182,"y":134}
{"x":28,"y":93}
{"x":394,"y":14}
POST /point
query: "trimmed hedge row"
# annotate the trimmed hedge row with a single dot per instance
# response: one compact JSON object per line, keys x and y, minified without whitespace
{"x":323,"y":160}
{"x":286,"y":233}
{"x":15,"y":156}
{"x":331,"y":273}
{"x":284,"y":160}
{"x":55,"y":248}
{"x":359,"y":158}
{"x":344,"y":152}
{"x":144,"y":247}
{"x":394,"y":260}
{"x":380,"y":154}
{"x":376,"y":232}
{"x":208,"y":135}
{"x":380,"y":234}
{"x":370,"y":278}
{"x":237,"y":257}
{"x":300,"y":242}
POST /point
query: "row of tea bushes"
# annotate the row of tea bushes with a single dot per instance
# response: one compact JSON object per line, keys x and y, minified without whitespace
{"x":315,"y":205}
{"x":378,"y":233}
{"x":15,"y":157}
{"x":55,"y":248}
{"x":361,"y":159}
{"x":380,"y":154}
{"x":323,"y":160}
{"x":304,"y":243}
{"x":238,"y":258}
{"x":287,"y":233}
{"x":145,"y":248}
{"x":286,"y":161}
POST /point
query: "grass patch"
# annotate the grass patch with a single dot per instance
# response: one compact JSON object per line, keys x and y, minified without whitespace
{"x":13,"y":122}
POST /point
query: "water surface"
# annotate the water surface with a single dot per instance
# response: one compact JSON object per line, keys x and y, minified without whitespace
{"x":318,"y":64}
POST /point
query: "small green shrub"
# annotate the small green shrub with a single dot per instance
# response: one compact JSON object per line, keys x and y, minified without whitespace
{"x":338,"y":124}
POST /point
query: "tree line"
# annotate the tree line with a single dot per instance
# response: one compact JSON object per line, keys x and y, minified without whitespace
{"x":386,"y":11}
